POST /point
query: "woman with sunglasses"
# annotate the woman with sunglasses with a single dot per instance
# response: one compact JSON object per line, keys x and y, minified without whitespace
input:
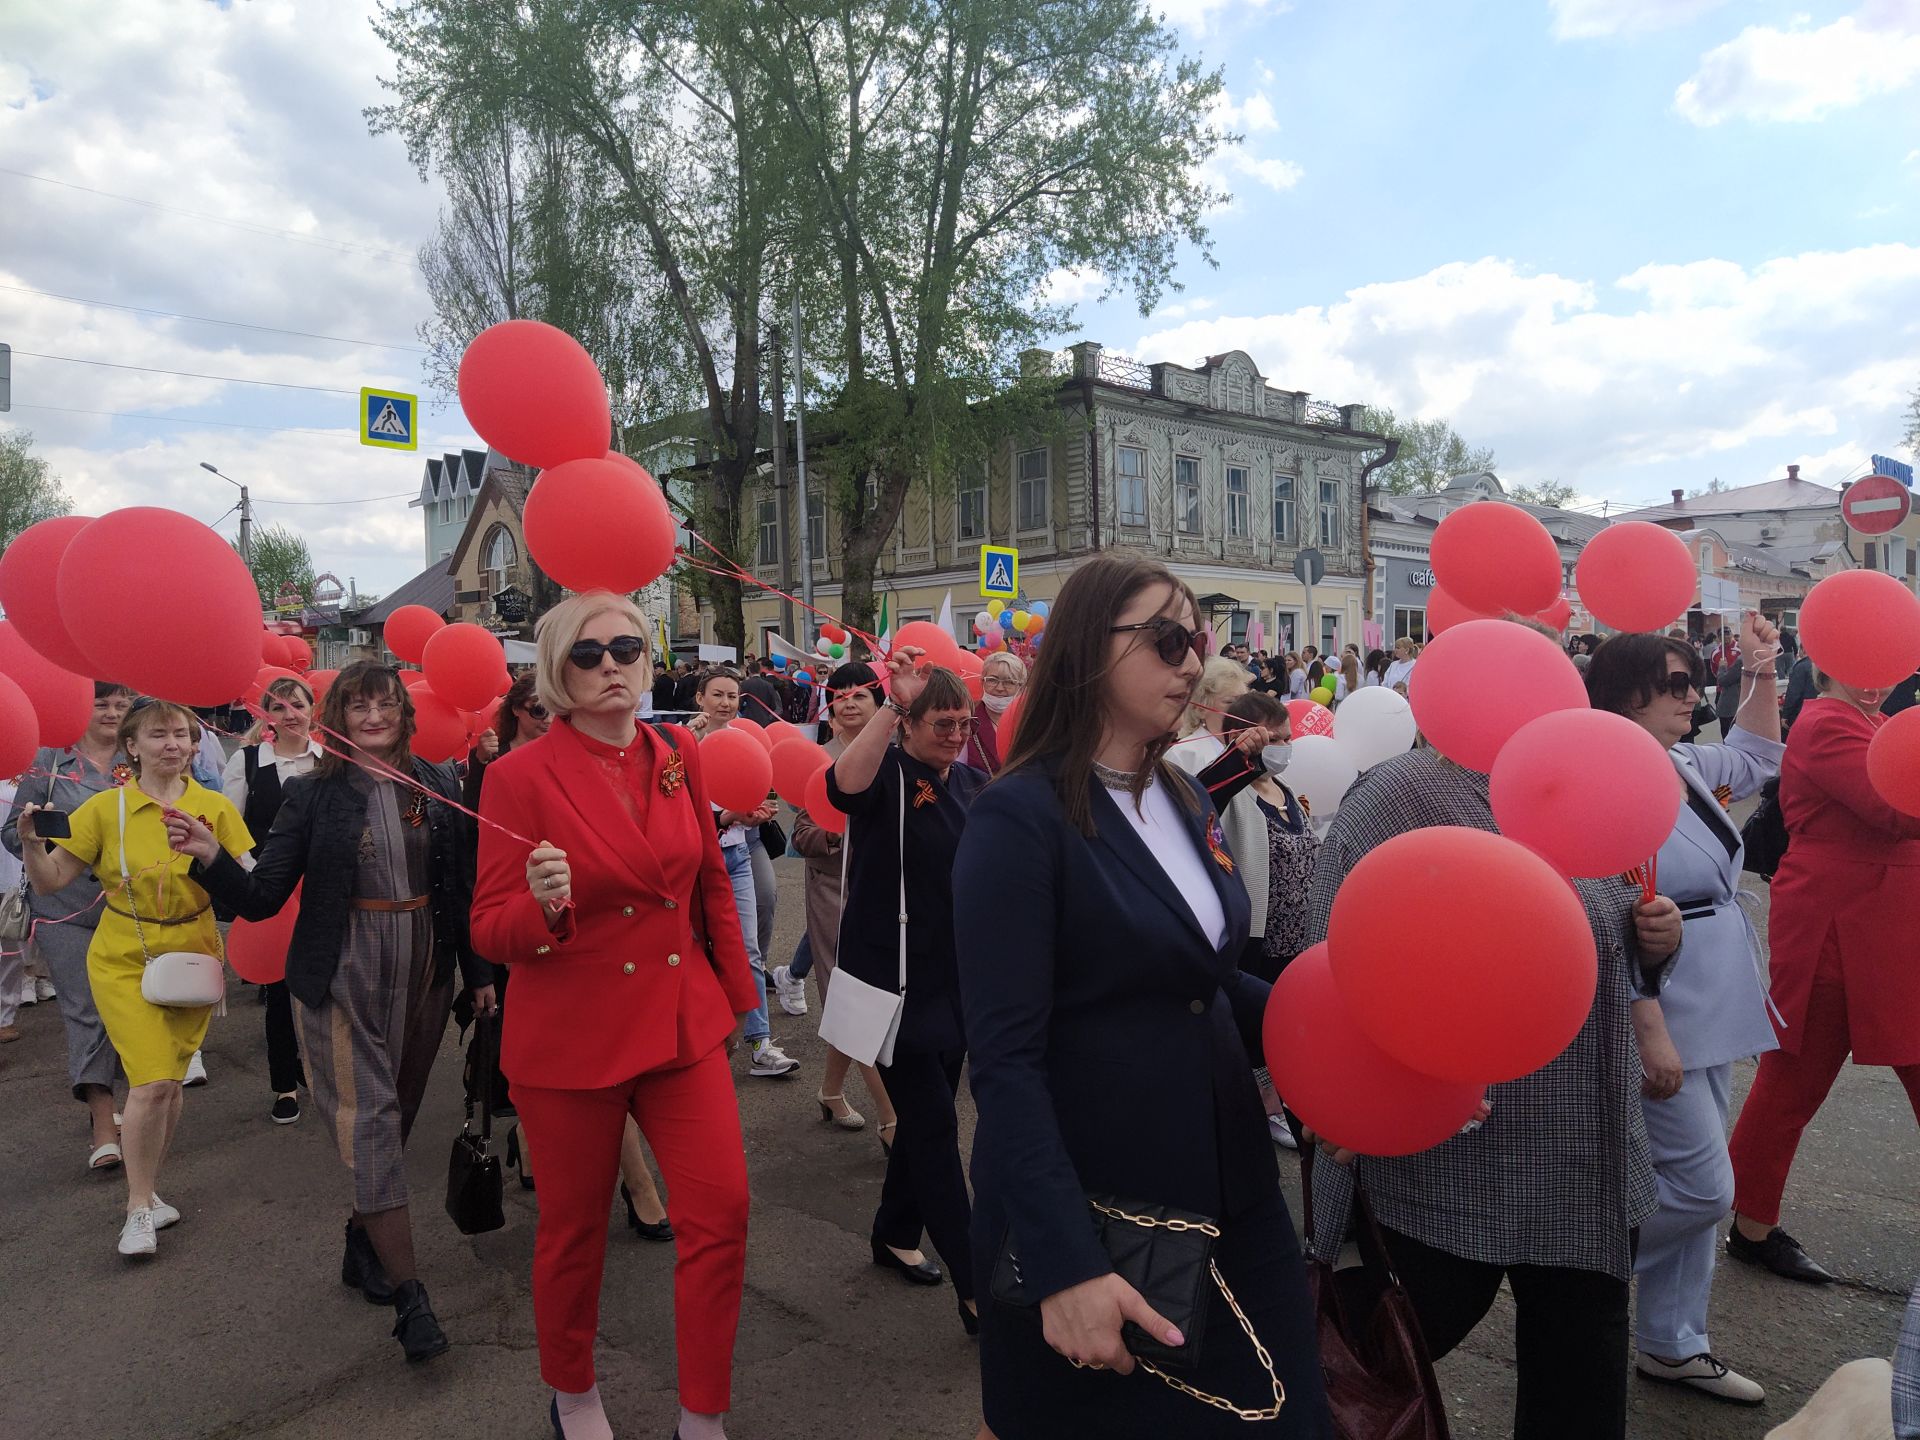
{"x":1112,"y":1044}
{"x":385,"y":871}
{"x":1845,"y":901}
{"x":1714,"y":1009}
{"x":630,"y":978}
{"x":520,"y":718}
{"x":906,"y":808}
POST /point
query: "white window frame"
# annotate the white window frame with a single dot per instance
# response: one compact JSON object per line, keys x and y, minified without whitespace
{"x":768,"y":551}
{"x":494,"y":578}
{"x":1409,"y":621}
{"x":817,"y":528}
{"x":978,"y":488}
{"x":1183,"y":511}
{"x":1286,"y":631}
{"x":1329,"y":515}
{"x":1286,"y":510}
{"x":1239,"y":515}
{"x":1021,"y":482}
{"x":1127,"y":488}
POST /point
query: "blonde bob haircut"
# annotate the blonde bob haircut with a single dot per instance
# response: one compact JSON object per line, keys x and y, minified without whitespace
{"x":561,"y":626}
{"x":1221,"y":682}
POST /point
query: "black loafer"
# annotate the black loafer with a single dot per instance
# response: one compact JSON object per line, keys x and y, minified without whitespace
{"x":360,"y":1268}
{"x":925,"y":1273}
{"x":415,"y":1326}
{"x":1781,"y":1254}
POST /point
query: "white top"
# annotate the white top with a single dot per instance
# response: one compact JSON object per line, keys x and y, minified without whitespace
{"x":1397,"y":672}
{"x":1339,"y":688}
{"x":1199,"y":750}
{"x":12,"y":871}
{"x":733,"y":835}
{"x":1163,"y":826}
{"x":1297,"y":684}
{"x":233,"y":782}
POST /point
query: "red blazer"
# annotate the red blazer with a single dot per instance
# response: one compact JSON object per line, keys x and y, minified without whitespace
{"x":623,"y":987}
{"x":1850,"y":885}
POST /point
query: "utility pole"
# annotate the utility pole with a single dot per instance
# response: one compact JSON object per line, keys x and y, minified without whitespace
{"x":246,"y":514}
{"x":780,"y":488}
{"x":800,"y":474}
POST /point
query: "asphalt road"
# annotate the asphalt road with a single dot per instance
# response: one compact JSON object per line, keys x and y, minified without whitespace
{"x":240,"y":1326}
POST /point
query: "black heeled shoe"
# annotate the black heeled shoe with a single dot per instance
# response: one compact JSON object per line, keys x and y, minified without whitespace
{"x":361,"y":1270}
{"x":925,"y":1273}
{"x":513,"y":1159}
{"x":969,"y":1321}
{"x":661,"y":1230}
{"x":553,"y":1414}
{"x":415,"y":1326}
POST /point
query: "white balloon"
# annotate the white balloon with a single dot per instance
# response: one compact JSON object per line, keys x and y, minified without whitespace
{"x":1374,"y":724}
{"x":1320,"y":772}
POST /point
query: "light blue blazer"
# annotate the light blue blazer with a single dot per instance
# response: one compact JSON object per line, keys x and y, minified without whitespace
{"x":1716,"y":1003}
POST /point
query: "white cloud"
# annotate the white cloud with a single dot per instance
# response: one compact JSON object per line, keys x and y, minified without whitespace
{"x":1584,"y":380}
{"x":1801,"y":73}
{"x":1254,"y":115}
{"x":1197,"y":16}
{"x":1183,"y":309}
{"x":1273,"y":173}
{"x":1070,"y":287}
{"x":1258,"y":114}
{"x":1592,"y":19}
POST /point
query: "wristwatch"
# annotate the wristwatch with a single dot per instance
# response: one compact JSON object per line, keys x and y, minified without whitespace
{"x":897,"y":708}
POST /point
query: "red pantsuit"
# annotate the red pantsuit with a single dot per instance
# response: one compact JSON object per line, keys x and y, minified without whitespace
{"x":622,"y":1010}
{"x":1844,"y":906}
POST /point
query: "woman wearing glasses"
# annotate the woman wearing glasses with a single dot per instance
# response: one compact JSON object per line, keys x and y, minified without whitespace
{"x":386,"y":872}
{"x":907,"y":807}
{"x":620,"y":1009}
{"x":1002,"y":678}
{"x":1112,"y":1044}
{"x":521,"y":718}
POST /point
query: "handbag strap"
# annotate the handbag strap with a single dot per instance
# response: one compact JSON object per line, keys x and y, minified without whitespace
{"x":486,"y":1036}
{"x":126,"y":884}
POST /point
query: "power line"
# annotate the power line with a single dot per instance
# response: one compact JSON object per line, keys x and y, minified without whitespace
{"x":192,"y":374}
{"x":345,"y":247}
{"x":190,"y":420}
{"x":362,"y":500}
{"x":206,"y":320}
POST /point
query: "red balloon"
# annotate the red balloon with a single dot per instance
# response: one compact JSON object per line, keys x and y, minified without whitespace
{"x":274,"y":651}
{"x":1863,"y":628}
{"x":1494,"y":558}
{"x":439,"y":726}
{"x":782,"y":730}
{"x":739,"y":770}
{"x":967,"y":666}
{"x":534,"y":394}
{"x":413,"y":679}
{"x":299,"y":654}
{"x":753,"y":730}
{"x":466,"y":665}
{"x":819,"y":808}
{"x":1444,"y":612}
{"x":595,"y":525}
{"x":484,"y":718}
{"x":408,"y":629}
{"x":1558,"y":615}
{"x":1589,"y":791}
{"x":19,"y":729}
{"x":1481,"y":681}
{"x":122,"y":583}
{"x":62,"y":701}
{"x":320,"y":681}
{"x":1309,"y":717}
{"x":941,"y":648}
{"x":1007,"y":724}
{"x":1462,"y":954}
{"x":794,"y":764}
{"x":1893,"y":761}
{"x":1636,"y":576}
{"x":1341,"y":1084}
{"x":257,"y":949}
{"x":29,"y":579}
{"x":254,"y":696}
{"x":833,"y":633}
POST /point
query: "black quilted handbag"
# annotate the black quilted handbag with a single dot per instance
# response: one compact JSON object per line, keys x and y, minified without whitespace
{"x":473,"y":1173}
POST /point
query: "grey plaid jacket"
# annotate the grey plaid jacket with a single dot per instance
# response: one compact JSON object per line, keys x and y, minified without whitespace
{"x":1906,"y":1374}
{"x":1560,"y":1172}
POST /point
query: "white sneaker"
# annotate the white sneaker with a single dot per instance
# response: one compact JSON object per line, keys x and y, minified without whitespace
{"x":196,"y":1071}
{"x":770,"y":1060}
{"x":1702,"y":1373}
{"x":163,"y":1213}
{"x":136,"y":1236}
{"x":43,"y":988}
{"x":792,"y":992}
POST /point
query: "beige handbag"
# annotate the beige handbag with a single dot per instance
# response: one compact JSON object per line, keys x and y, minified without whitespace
{"x":177,"y":979}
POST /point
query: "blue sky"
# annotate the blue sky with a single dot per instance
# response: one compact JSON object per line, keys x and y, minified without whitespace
{"x":1629,"y":244}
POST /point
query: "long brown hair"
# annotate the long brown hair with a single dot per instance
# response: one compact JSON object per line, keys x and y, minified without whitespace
{"x":362,"y":680}
{"x":506,"y":720}
{"x":1063,"y":717}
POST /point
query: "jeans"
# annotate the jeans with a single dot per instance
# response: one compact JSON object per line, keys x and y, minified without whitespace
{"x":740,"y":872}
{"x":802,"y":957}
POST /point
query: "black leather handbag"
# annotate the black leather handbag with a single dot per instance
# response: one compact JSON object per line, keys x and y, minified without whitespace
{"x":774,"y":838}
{"x":1765,"y":833}
{"x":474,"y":1180}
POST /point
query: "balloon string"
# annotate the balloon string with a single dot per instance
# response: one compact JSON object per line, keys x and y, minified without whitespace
{"x":375,"y":766}
{"x":729,"y":570}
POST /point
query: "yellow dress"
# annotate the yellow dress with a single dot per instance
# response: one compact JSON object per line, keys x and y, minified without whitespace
{"x":155,"y":1041}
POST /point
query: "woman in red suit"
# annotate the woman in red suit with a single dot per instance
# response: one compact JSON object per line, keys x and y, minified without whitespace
{"x":1845,"y":902}
{"x":619,"y":1007}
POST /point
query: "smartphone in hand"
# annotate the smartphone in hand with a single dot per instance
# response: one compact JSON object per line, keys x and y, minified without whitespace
{"x":52,"y":825}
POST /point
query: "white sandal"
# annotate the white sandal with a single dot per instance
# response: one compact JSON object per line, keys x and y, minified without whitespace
{"x":105,"y":1157}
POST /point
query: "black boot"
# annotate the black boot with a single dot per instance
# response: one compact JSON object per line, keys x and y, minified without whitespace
{"x":416,"y":1329}
{"x":360,"y":1268}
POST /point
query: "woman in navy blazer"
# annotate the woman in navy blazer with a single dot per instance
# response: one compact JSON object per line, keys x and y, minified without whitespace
{"x":1112,"y":1040}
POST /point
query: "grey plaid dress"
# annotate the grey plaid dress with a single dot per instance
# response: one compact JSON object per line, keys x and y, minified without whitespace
{"x":370,"y":1046}
{"x":1560,"y":1172}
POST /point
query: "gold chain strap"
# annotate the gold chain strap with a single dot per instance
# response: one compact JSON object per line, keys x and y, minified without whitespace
{"x":1269,"y":1412}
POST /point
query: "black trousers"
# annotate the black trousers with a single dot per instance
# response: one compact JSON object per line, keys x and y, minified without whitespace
{"x":926,"y":1183}
{"x":1570,"y":1334}
{"x":284,"y":1070}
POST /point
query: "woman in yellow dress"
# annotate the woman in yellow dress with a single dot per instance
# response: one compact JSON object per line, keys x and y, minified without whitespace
{"x":155,"y":1042}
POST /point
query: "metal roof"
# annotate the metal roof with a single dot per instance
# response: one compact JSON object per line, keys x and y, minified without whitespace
{"x":432,"y":587}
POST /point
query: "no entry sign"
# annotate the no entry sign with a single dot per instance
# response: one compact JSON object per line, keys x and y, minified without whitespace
{"x":1875,"y":505}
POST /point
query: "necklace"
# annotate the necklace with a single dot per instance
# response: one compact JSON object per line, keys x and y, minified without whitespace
{"x":1113,"y":779}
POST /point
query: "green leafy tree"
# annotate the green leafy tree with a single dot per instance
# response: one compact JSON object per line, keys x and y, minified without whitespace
{"x":1546,"y":492}
{"x":1913,"y":423}
{"x":1431,"y":453}
{"x":280,"y":558}
{"x":1714,"y":486}
{"x":29,"y":491}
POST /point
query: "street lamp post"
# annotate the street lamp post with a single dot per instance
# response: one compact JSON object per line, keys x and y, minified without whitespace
{"x":246,"y":514}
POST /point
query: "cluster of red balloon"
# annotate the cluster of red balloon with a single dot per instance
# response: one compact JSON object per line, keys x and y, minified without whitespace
{"x":594,"y":519}
{"x":457,"y":693}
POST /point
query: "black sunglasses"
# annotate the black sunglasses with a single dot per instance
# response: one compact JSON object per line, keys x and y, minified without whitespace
{"x":1171,"y":639}
{"x":1679,"y":684}
{"x":625,"y":649}
{"x":539,"y":711}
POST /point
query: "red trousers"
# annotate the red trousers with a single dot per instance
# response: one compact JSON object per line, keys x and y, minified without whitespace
{"x":691,"y":1119}
{"x":1787,"y":1092}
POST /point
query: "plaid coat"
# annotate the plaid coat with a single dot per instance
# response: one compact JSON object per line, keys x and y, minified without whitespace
{"x":1560,"y":1172}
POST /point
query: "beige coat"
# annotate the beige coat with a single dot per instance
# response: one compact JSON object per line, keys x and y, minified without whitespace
{"x":821,"y":850}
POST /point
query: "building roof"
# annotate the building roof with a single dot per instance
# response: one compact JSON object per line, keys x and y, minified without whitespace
{"x":447,"y":477}
{"x":1789,"y":493}
{"x":1569,"y":527}
{"x":432,"y":587}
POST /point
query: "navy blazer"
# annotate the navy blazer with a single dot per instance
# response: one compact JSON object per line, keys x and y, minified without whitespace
{"x":1108,"y":1038}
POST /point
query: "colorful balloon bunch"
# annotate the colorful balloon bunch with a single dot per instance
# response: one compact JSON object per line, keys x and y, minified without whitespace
{"x":999,"y":628}
{"x":833,"y":642}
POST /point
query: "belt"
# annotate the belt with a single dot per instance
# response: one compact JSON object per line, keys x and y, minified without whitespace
{"x":1697,"y":909}
{"x":389,"y":907}
{"x":164,"y":919}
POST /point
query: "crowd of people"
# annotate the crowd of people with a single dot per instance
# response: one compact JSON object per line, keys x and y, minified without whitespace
{"x":1105,"y":1011}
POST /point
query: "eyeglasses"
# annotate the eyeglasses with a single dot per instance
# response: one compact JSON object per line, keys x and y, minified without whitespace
{"x":535,"y":710}
{"x":999,"y":683}
{"x":360,"y":709}
{"x":1171,"y":639}
{"x":1680,"y":683}
{"x":946,"y":729}
{"x":625,"y":649}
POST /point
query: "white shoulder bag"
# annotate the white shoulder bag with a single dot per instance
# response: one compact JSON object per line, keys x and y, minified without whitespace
{"x":178,"y":979}
{"x":860,"y":1020}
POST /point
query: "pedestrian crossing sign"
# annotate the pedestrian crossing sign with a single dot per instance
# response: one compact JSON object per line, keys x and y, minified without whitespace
{"x":386,"y":419}
{"x":999,"y":572}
